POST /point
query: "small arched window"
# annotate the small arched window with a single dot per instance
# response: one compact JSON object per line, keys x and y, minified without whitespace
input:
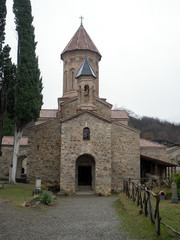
{"x":86,"y":88}
{"x":72,"y":79}
{"x":65,"y":81}
{"x":86,"y":133}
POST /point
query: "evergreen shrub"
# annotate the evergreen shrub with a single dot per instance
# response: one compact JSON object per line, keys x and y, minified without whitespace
{"x":46,"y":198}
{"x":177,"y":179}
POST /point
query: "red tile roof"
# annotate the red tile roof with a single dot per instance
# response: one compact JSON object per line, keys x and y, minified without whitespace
{"x":9,"y":140}
{"x":48,"y":113}
{"x":81,"y":41}
{"x":118,"y":114}
{"x":147,"y":143}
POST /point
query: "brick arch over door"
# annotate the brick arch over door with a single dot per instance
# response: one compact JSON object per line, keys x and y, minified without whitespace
{"x":85,"y":171}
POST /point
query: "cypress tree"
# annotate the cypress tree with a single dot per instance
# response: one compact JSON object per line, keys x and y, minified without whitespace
{"x":28,"y":97}
{"x":7,"y":71}
{"x":2,"y":21}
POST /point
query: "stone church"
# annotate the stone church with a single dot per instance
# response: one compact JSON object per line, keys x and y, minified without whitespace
{"x":84,"y":143}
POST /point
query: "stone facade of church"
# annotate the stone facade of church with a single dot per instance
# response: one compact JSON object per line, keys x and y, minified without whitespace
{"x":87,"y":143}
{"x":84,"y":143}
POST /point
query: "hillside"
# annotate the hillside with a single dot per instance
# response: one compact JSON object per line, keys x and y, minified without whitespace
{"x":157,"y":130}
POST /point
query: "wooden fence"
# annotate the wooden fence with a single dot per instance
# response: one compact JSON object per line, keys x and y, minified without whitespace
{"x":153,"y":182}
{"x":142,"y":196}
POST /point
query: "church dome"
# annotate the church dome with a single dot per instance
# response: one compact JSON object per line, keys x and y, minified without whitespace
{"x":81,"y":41}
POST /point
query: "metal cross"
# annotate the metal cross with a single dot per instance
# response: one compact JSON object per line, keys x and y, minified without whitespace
{"x":81,"y":20}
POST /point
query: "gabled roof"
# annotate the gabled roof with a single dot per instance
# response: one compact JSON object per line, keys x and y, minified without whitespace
{"x":147,"y":143}
{"x":48,"y":113}
{"x":84,"y":112}
{"x":119,"y":114}
{"x":9,"y":140}
{"x":158,"y":161}
{"x":85,"y":70}
{"x":81,"y":41}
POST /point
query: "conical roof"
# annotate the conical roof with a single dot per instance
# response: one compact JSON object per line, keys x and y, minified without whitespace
{"x":85,"y":70}
{"x":81,"y":41}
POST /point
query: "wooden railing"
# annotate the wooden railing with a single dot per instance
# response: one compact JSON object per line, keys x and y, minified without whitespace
{"x":142,"y":196}
{"x":153,"y":182}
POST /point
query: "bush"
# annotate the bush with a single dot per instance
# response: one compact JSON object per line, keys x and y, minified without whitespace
{"x":169,"y":194}
{"x":177,"y":179}
{"x":46,"y":198}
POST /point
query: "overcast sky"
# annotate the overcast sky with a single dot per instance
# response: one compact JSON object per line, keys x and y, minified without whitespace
{"x":139,"y":41}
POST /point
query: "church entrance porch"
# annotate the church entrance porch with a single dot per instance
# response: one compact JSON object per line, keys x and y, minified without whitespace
{"x":85,"y":173}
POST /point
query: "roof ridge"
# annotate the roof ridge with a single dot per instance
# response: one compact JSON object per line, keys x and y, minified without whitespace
{"x":78,"y":38}
{"x":85,"y":38}
{"x":83,"y":112}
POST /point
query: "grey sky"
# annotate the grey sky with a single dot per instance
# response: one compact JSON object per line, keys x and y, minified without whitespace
{"x":140,"y":45}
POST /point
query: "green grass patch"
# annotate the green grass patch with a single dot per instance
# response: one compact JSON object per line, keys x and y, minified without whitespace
{"x":139,"y":227}
{"x":17,"y":193}
{"x":114,"y":195}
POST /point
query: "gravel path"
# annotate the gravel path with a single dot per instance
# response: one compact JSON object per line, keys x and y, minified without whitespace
{"x":73,"y":218}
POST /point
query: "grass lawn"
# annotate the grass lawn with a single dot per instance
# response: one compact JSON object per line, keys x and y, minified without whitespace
{"x":17,"y":193}
{"x":139,"y":227}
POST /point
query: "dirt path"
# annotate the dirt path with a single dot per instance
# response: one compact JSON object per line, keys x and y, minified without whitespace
{"x":73,"y":218}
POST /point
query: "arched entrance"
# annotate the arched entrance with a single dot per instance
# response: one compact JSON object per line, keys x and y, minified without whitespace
{"x":21,"y":168}
{"x":85,"y":172}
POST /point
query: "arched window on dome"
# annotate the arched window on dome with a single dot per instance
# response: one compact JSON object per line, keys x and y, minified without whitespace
{"x":72,"y":77}
{"x":86,"y":133}
{"x":65,"y":81}
{"x":86,"y":89}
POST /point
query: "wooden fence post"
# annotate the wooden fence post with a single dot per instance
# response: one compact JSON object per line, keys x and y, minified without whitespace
{"x":145,"y":204}
{"x":158,"y":217}
{"x":133,"y":192}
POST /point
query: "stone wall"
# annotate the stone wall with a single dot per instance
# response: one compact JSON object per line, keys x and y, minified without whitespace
{"x":72,"y":63}
{"x":121,"y":121}
{"x":44,"y":153}
{"x":69,"y":108}
{"x":125,"y":155}
{"x":103,"y":109}
{"x":154,"y":152}
{"x":6,"y":159}
{"x":73,"y":146}
{"x":173,"y":156}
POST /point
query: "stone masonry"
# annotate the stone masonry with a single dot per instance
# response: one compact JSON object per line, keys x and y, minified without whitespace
{"x":73,"y":146}
{"x":44,"y":153}
{"x":83,"y":143}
